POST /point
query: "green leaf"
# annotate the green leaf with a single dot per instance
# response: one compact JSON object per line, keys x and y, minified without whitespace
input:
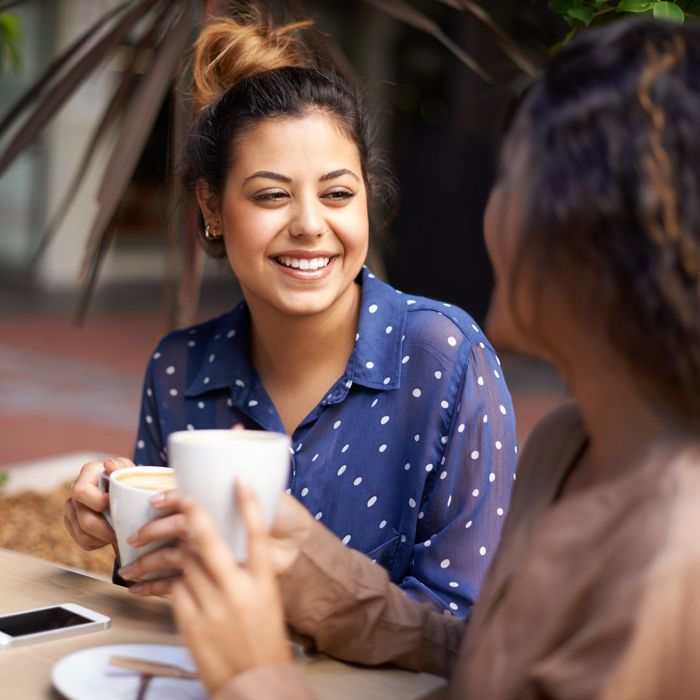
{"x":668,"y":10}
{"x":10,"y":36}
{"x":634,"y":6}
{"x":4,"y":477}
{"x":572,"y":9}
{"x":562,"y":7}
{"x":9,"y":27}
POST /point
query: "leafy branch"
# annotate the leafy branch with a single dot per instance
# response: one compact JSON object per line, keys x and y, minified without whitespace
{"x":579,"y":14}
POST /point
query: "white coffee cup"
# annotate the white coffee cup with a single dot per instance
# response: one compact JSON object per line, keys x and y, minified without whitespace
{"x":130,"y":491}
{"x":208,"y":462}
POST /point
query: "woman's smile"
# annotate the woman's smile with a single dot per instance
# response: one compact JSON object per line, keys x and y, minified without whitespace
{"x":307,"y":266}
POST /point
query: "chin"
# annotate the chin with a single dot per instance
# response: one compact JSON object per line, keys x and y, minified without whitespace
{"x":500,"y":329}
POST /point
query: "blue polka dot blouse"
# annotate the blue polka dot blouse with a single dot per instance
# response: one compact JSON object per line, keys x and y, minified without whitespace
{"x":410,"y":458}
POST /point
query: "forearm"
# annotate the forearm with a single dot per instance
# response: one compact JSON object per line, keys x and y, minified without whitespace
{"x":351,"y":610}
{"x":267,"y":682}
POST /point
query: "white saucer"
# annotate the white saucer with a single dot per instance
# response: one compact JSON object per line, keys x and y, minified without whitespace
{"x":87,"y":675}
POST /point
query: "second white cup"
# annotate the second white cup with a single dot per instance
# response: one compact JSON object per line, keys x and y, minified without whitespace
{"x":208,"y":462}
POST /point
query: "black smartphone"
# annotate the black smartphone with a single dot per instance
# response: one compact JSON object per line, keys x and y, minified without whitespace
{"x":40,"y":624}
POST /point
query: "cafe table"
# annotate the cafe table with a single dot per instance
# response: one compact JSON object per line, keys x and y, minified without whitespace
{"x":25,"y":671}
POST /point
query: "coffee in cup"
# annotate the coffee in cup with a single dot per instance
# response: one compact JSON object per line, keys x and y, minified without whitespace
{"x":147,"y":480}
{"x":130,"y":490}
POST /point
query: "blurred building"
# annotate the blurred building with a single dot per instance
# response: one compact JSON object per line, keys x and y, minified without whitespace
{"x":438,"y":122}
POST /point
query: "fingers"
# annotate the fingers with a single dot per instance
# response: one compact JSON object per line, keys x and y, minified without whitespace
{"x":206,"y":650}
{"x":85,"y":490}
{"x":166,"y":500}
{"x":204,"y":537}
{"x":163,"y":559}
{"x":89,"y":529}
{"x":114,"y":463}
{"x":202,"y":587}
{"x":167,"y":527}
{"x":161,"y":587}
{"x":82,"y":538}
{"x":185,"y":607}
{"x":259,"y":561}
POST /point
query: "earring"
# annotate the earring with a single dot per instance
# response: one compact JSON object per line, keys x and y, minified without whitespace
{"x":209,"y":235}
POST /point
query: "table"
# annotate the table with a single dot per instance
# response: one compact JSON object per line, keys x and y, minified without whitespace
{"x":25,"y":672}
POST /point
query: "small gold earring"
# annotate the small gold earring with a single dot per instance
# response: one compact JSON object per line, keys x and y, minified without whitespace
{"x":209,"y":235}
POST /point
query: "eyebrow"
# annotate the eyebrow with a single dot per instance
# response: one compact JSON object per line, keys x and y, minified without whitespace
{"x":270,"y":175}
{"x":337,"y":173}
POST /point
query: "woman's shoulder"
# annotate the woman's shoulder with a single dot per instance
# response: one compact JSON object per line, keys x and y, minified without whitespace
{"x":443,"y":325}
{"x":197,"y":337}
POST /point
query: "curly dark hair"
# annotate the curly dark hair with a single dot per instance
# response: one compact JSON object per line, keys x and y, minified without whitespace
{"x":612,"y":131}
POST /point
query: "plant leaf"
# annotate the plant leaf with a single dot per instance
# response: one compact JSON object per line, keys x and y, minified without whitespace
{"x":54,"y":68}
{"x":410,"y":15}
{"x":137,"y":124}
{"x":694,"y":8}
{"x":99,"y":133}
{"x":66,"y":87}
{"x":668,"y":10}
{"x":634,"y":6}
{"x":572,"y":9}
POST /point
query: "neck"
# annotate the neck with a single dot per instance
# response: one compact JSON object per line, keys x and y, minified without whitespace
{"x":286,"y":349}
{"x":623,"y":422}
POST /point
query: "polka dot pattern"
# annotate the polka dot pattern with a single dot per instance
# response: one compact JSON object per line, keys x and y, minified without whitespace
{"x":416,"y":438}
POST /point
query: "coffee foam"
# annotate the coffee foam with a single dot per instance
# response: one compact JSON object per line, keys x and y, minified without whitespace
{"x":148,"y":481}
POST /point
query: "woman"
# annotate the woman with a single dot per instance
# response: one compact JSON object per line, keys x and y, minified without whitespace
{"x":394,"y":402}
{"x":594,"y":232}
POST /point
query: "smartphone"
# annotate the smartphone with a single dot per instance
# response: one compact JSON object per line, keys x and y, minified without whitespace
{"x":53,"y":622}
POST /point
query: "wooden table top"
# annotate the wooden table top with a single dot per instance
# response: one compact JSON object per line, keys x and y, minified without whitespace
{"x":25,"y":672}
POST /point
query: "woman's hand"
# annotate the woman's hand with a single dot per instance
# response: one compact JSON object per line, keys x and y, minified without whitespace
{"x":230,"y":615}
{"x":290,"y":529}
{"x":83,"y":511}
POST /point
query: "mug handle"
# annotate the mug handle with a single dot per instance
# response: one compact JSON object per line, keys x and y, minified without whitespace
{"x":103,"y":485}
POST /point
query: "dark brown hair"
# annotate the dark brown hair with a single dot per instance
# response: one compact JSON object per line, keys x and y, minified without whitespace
{"x":613,"y":193}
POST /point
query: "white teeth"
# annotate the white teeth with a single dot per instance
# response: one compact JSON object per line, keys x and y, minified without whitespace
{"x":303,"y":263}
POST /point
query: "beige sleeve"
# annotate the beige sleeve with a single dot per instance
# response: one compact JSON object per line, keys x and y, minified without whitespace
{"x":349,"y":608}
{"x":661,"y":660}
{"x":267,"y":683}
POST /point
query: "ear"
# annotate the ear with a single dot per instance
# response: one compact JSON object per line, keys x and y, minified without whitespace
{"x":208,"y":202}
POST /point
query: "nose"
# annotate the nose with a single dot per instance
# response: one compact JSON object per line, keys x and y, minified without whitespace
{"x":307,"y":218}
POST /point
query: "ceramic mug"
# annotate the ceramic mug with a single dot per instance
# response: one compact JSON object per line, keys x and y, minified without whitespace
{"x":130,"y":490}
{"x":208,"y":462}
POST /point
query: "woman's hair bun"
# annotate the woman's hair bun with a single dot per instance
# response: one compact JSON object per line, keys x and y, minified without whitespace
{"x":228,"y":51}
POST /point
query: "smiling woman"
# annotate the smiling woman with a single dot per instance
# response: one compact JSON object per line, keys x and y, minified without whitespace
{"x":402,"y":426}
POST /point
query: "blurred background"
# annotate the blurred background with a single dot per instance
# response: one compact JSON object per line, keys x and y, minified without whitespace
{"x":74,"y":344}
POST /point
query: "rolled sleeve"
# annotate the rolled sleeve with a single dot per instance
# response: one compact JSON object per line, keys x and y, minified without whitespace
{"x":349,"y":608}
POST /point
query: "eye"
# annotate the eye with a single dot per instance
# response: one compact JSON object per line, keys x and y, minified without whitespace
{"x":272,"y":196}
{"x":338,"y":194}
